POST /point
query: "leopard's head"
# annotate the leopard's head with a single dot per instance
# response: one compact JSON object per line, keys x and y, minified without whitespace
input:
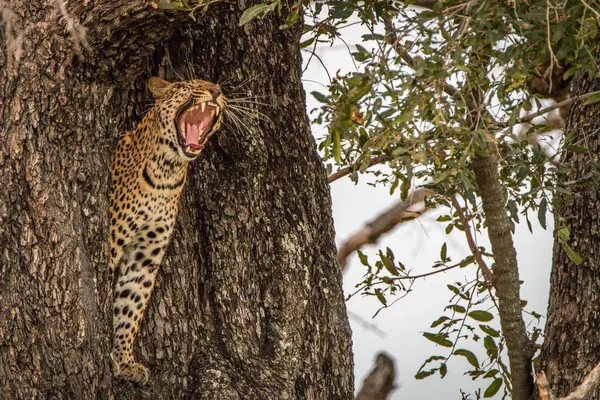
{"x":188,"y":113}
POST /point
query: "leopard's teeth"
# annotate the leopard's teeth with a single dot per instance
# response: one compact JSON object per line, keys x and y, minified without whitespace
{"x":203,"y":106}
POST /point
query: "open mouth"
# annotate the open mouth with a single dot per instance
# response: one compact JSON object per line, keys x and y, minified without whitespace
{"x":195,"y":124}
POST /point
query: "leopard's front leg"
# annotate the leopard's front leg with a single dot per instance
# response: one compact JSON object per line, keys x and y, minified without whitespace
{"x":137,"y":275}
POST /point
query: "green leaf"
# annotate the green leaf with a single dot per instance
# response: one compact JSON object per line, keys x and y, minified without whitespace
{"x":490,"y":346}
{"x":380,"y":297}
{"x":493,"y":388}
{"x":489,"y":330}
{"x":336,"y":145}
{"x":165,"y":5}
{"x":438,"y":338}
{"x":592,"y":99}
{"x":439,"y":321}
{"x":471,"y":358}
{"x":572,"y":254}
{"x":443,"y":252}
{"x":480,"y":315}
{"x":364,"y":260}
{"x":425,"y":374}
{"x":307,"y":43}
{"x":253,"y":12}
{"x":576,"y":149}
{"x":563,"y":234}
{"x":457,"y":308}
{"x":388,"y":262}
{"x":320,"y":97}
{"x":178,"y":5}
{"x":292,"y":18}
{"x":361,"y":48}
{"x":542,"y":212}
{"x":491,"y":373}
{"x":443,"y":370}
{"x":341,"y":10}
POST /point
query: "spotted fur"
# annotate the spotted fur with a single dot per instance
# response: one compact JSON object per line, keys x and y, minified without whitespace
{"x":148,"y":175}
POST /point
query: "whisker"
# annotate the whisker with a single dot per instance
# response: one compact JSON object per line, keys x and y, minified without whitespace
{"x":245,"y":82}
{"x":237,"y":95}
{"x":253,"y":114}
{"x":245,"y":108}
{"x":236,"y":121}
{"x":249,"y":102}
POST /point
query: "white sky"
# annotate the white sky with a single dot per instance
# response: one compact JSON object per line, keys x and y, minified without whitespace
{"x":417,"y":245}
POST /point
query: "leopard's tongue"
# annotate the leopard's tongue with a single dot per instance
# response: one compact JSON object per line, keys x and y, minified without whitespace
{"x":193,"y":132}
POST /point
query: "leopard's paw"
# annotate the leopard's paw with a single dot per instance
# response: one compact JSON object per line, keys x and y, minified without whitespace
{"x":133,"y":372}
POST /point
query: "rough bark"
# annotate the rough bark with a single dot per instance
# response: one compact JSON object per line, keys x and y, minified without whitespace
{"x":248,"y":303}
{"x":572,"y":339}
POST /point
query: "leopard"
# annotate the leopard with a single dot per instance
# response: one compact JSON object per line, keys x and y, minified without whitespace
{"x":148,"y":174}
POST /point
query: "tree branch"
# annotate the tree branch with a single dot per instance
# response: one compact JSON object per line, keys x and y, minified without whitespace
{"x":383,"y":223}
{"x":545,"y":110}
{"x":380,"y":382}
{"x":348,"y":170}
{"x":581,"y":392}
{"x":506,"y":273}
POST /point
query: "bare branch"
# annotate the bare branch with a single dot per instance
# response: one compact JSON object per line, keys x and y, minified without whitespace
{"x":383,"y":223}
{"x":429,"y":4}
{"x":529,"y":117}
{"x":543,"y":387}
{"x":366,"y":324}
{"x":581,"y":392}
{"x":380,"y":382}
{"x":348,"y":170}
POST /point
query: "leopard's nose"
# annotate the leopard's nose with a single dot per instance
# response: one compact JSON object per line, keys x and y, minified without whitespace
{"x":215,"y":92}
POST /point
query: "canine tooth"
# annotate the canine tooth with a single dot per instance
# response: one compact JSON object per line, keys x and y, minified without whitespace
{"x":203,"y":105}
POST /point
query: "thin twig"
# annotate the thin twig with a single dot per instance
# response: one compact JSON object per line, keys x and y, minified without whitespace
{"x":437,"y":271}
{"x":586,"y":5}
{"x":487,"y":273}
{"x":348,"y":170}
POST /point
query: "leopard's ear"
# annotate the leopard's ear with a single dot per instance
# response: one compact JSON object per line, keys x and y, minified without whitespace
{"x":158,"y":87}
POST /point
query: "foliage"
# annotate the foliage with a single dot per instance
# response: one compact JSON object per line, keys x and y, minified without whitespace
{"x":434,"y":87}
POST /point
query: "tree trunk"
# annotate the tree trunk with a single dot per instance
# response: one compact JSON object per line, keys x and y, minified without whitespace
{"x":248,"y":303}
{"x":572,"y":338}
